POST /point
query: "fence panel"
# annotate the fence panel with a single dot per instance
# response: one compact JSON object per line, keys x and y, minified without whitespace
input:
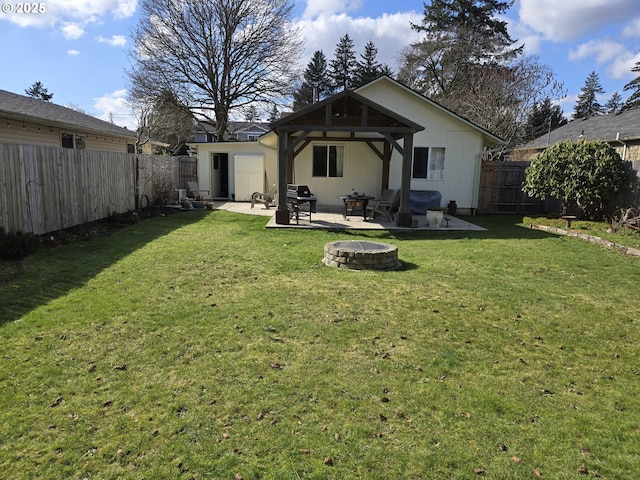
{"x":47,"y":189}
{"x":501,"y":189}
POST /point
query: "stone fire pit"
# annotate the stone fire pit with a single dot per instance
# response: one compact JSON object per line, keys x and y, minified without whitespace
{"x":361,"y":255}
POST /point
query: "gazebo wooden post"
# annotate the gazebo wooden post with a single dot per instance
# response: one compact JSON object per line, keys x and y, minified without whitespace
{"x":282,"y":214}
{"x":404,"y":217}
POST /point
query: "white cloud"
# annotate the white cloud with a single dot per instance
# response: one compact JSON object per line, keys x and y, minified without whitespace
{"x":73,"y":53}
{"x":72,"y":31}
{"x":390,"y":33}
{"x":330,"y":7}
{"x":617,"y":57}
{"x":570,"y":19}
{"x":73,"y":15}
{"x":632,"y":29}
{"x":114,"y":107}
{"x":115,"y":40}
{"x":621,"y":67}
{"x":601,"y":50}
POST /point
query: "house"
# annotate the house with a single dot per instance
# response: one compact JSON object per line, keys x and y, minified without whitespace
{"x":621,"y":130}
{"x":383,"y":135}
{"x":29,"y":121}
{"x":238,"y":131}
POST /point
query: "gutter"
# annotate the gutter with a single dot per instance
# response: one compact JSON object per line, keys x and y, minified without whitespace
{"x":624,"y":146}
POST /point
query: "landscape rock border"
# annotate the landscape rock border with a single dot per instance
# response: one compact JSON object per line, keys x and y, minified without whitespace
{"x":589,"y":238}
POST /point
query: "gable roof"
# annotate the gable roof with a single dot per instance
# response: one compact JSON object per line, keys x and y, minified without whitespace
{"x":347,"y":111}
{"x":610,"y":128}
{"x":27,"y":109}
{"x":433,"y":103}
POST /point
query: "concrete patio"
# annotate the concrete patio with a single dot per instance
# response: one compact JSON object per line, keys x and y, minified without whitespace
{"x":332,"y":219}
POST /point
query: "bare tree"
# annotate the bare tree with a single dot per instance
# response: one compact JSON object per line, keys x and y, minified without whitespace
{"x":215,"y":56}
{"x":468,"y":62}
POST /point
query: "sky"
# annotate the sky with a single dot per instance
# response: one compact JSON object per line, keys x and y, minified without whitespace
{"x":79,"y":48}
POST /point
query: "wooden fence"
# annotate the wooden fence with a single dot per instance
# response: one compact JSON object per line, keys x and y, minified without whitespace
{"x":501,"y":189}
{"x":47,"y":189}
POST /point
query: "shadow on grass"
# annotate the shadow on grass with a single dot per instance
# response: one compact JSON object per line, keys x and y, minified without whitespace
{"x":497,"y":227}
{"x":52,"y":272}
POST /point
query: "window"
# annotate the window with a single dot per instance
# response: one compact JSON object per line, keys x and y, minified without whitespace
{"x":428,"y":163}
{"x":70,"y":140}
{"x":328,"y":161}
{"x":67,"y":140}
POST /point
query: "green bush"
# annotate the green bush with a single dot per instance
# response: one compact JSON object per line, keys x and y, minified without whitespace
{"x":590,"y":175}
{"x":18,"y":244}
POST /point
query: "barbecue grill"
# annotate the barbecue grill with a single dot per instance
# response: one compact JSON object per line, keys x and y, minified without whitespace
{"x":301,"y":201}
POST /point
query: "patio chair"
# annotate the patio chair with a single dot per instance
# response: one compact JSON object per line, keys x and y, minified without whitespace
{"x":266,"y":198}
{"x":197,"y":193}
{"x":384,"y":205}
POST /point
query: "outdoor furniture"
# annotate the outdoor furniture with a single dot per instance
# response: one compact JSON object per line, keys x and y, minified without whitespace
{"x":358,"y":202}
{"x":384,"y":204}
{"x":299,"y":197}
{"x":569,"y":219}
{"x":197,"y":193}
{"x":266,"y":198}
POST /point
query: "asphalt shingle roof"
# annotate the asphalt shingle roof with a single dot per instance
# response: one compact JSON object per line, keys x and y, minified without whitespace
{"x":624,"y":126}
{"x":33,"y":110}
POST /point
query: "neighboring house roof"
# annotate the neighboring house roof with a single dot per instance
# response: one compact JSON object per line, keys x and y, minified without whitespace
{"x":235,"y":128}
{"x":27,"y":109}
{"x":623,"y":126}
{"x":486,"y":133}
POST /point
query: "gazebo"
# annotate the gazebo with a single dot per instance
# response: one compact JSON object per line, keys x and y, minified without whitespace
{"x":346,"y":117}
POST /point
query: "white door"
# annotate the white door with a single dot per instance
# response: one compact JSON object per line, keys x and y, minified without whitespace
{"x":249,"y":176}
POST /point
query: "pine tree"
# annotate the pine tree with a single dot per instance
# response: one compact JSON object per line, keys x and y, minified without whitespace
{"x":251,"y":113}
{"x":544,"y":118}
{"x":316,"y":84}
{"x":37,"y":90}
{"x":342,"y":67}
{"x":368,"y":69}
{"x":274,"y":114}
{"x":473,"y":22}
{"x":633,"y":101}
{"x":614,"y":104}
{"x":468,"y":62}
{"x":587,"y":104}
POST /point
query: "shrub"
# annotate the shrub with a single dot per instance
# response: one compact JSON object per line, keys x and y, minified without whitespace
{"x":589,"y":174}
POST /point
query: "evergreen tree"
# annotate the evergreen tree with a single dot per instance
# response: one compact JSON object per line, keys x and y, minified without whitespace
{"x":468,"y":62}
{"x":342,"y":67}
{"x":274,"y":114}
{"x":316,"y":84}
{"x":633,"y":101}
{"x":251,"y":113}
{"x":614,"y":104}
{"x":587,"y":104}
{"x":37,"y":90}
{"x":544,"y":118}
{"x":368,"y":69}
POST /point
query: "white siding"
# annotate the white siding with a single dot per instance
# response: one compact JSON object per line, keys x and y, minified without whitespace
{"x":234,"y":149}
{"x":462,"y":142}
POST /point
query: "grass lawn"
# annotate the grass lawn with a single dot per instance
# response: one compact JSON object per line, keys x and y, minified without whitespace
{"x":203,"y":346}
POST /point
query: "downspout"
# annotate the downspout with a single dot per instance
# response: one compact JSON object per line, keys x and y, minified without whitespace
{"x":624,"y":146}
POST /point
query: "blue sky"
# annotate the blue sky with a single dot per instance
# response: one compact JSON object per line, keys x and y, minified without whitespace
{"x":77,"y":48}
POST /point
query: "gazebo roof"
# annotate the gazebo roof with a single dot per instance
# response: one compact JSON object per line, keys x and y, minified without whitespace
{"x":347,"y":112}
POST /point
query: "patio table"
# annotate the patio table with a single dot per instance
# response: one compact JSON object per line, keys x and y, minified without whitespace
{"x":354,"y":203}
